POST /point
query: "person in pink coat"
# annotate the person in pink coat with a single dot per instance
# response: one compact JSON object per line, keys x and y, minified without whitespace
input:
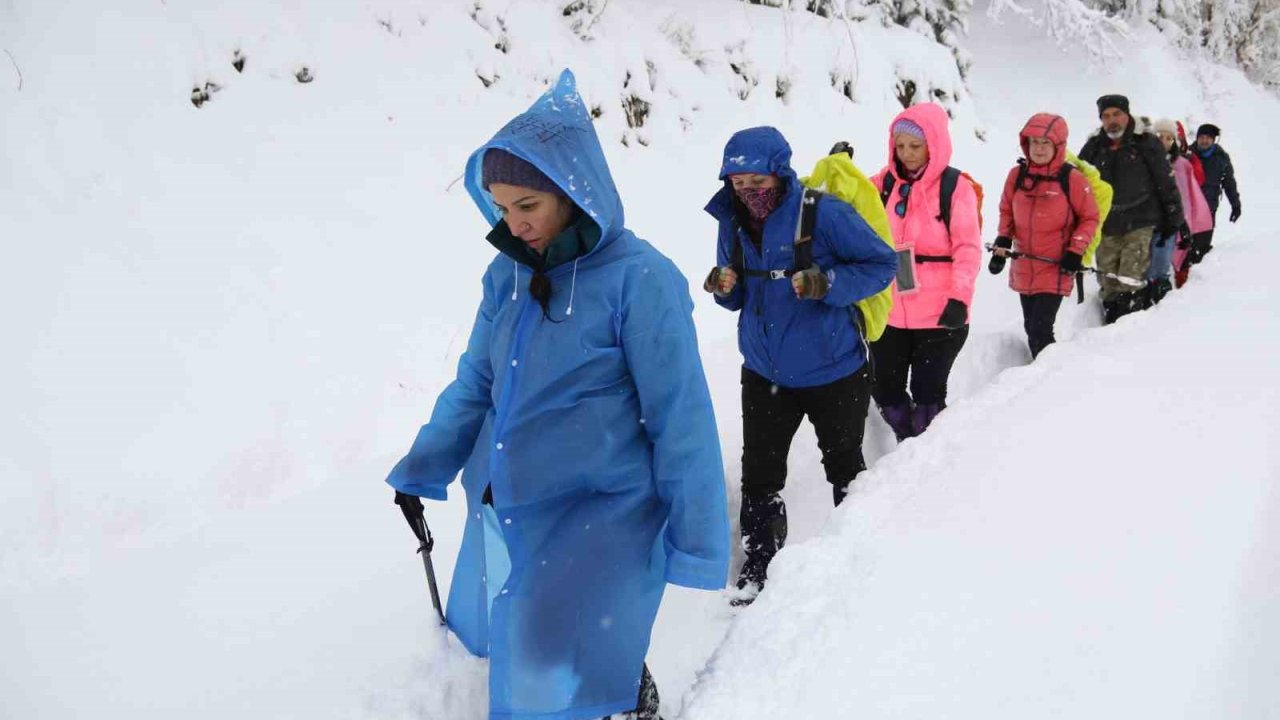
{"x":937,"y":267}
{"x":1194,"y":206}
{"x":1038,"y":218}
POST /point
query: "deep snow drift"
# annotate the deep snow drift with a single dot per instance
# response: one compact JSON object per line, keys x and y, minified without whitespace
{"x":224,"y":325}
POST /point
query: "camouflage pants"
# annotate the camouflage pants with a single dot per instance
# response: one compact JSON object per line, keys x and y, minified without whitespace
{"x":1127,"y":255}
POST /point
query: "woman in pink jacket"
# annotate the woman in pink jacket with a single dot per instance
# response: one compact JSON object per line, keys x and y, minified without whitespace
{"x":1039,"y":219}
{"x":1194,"y":206}
{"x":937,"y":266}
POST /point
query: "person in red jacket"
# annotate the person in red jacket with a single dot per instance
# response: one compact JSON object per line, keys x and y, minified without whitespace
{"x":1038,"y":219}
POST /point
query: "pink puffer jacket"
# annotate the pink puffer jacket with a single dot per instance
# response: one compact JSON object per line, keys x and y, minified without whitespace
{"x":923,"y":231}
{"x":1194,"y":206}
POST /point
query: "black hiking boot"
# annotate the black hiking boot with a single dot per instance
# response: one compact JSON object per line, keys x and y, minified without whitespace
{"x":1158,"y":289}
{"x":764,"y":530}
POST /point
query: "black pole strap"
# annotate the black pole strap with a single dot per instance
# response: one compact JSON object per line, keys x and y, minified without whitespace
{"x":414,"y":515}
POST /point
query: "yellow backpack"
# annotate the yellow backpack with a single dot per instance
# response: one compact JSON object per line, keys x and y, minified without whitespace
{"x":1102,"y":194}
{"x":836,"y":175}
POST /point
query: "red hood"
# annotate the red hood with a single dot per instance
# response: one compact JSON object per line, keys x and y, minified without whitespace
{"x":1050,"y":126}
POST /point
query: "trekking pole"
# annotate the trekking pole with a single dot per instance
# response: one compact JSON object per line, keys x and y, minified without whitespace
{"x":413,"y":514}
{"x":1122,"y":279}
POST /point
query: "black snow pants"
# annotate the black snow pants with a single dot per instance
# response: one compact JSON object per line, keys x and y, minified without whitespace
{"x":771,"y":415}
{"x":926,"y":354}
{"x":1039,"y":312}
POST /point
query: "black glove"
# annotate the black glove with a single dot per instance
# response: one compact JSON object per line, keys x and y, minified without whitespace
{"x":1184,"y":237}
{"x":412,"y":503}
{"x":997,"y":261}
{"x":841,"y":147}
{"x":1070,"y":263}
{"x":810,"y":283}
{"x":1235,"y":213}
{"x":954,"y":315}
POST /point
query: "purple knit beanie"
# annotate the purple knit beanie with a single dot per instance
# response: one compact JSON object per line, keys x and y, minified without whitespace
{"x":907,"y":127}
{"x":500,"y":166}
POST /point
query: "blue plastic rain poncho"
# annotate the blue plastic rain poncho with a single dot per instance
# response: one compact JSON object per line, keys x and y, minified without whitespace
{"x":792,"y":342}
{"x":597,"y":437}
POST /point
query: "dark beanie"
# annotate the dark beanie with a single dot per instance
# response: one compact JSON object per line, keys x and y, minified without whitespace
{"x":1208,"y":129}
{"x":1113,"y":101}
{"x":500,"y":166}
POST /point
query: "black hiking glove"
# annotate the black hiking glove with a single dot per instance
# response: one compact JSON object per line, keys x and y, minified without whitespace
{"x":954,"y":315}
{"x":412,"y":503}
{"x":810,"y":283}
{"x":1184,"y":237}
{"x":1235,"y":213}
{"x":841,"y":147}
{"x":997,"y":261}
{"x":1070,"y":263}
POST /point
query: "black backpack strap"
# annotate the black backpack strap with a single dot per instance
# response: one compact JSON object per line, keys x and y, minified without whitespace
{"x":950,"y":176}
{"x":1064,"y":179}
{"x":886,"y":187}
{"x":735,"y":252}
{"x":802,"y":250}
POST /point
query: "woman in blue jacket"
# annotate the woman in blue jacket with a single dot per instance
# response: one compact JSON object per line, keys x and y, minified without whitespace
{"x":582,"y":422}
{"x":802,"y":352}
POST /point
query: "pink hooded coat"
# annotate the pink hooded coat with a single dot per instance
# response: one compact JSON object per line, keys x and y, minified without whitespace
{"x":1040,"y":219}
{"x":1194,"y":206}
{"x":923,"y":231}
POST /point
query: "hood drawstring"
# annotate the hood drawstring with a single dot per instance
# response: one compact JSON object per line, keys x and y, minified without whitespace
{"x":573,"y":284}
{"x":515,"y":287}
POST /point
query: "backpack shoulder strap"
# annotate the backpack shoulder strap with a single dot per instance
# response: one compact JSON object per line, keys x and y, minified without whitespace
{"x":886,"y":187}
{"x":735,"y":253}
{"x":802,"y":251}
{"x":950,"y":176}
{"x":1064,"y":179}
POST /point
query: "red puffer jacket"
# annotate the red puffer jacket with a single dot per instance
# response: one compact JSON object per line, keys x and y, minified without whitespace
{"x":1040,"y":219}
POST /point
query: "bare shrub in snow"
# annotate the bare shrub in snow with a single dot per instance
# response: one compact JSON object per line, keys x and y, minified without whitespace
{"x":494,"y":24}
{"x":1071,"y":22}
{"x":746,"y":77}
{"x":583,"y":15}
{"x":945,"y":21}
{"x":681,"y":33}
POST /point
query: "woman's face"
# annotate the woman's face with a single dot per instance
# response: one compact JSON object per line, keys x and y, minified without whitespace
{"x":1166,"y":139}
{"x":912,"y":152}
{"x":534,"y":216}
{"x":752,"y":181}
{"x":1040,"y":150}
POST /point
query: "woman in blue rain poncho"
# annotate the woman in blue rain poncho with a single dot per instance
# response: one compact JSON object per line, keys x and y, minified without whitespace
{"x":581,"y":414}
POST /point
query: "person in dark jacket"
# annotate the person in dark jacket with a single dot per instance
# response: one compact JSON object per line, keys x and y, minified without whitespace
{"x":1219,"y":176}
{"x":802,"y":353}
{"x":1146,"y":203}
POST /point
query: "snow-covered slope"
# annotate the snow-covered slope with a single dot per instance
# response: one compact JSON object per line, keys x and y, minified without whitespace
{"x":223,"y":325}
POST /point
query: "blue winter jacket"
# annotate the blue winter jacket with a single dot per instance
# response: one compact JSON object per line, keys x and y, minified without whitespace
{"x":796,"y":343}
{"x":596,"y":435}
